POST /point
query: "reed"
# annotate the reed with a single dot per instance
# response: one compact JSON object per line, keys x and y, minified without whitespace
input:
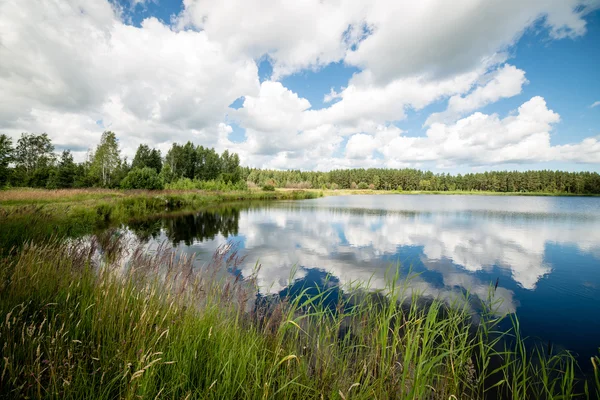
{"x":105,"y":318}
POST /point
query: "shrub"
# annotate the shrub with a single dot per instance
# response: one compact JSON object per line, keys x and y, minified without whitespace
{"x":251,"y":185}
{"x":353,"y":185}
{"x":363,"y":186}
{"x":142,"y":178}
{"x":399,"y":188}
{"x":268,"y":188}
{"x":212,"y":185}
{"x":298,"y":185}
{"x":182,"y":184}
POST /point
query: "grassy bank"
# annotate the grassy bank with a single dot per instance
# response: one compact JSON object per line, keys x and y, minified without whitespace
{"x":40,"y":214}
{"x":76,"y":325}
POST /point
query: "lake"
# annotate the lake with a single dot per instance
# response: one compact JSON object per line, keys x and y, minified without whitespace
{"x":544,"y":252}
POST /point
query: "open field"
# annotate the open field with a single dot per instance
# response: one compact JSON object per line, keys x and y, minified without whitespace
{"x":75,"y":322}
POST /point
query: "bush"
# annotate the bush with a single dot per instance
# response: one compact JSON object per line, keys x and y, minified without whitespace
{"x":298,"y":185}
{"x":363,"y":186}
{"x":251,"y":185}
{"x":182,"y":184}
{"x":268,"y":188}
{"x":213,"y":185}
{"x":353,"y":185}
{"x":142,"y":178}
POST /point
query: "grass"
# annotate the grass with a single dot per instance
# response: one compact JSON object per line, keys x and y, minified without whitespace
{"x":42,"y":196}
{"x":29,"y":196}
{"x":102,"y":318}
{"x":35,"y":214}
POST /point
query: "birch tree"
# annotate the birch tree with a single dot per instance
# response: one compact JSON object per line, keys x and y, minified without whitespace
{"x":106,"y":159}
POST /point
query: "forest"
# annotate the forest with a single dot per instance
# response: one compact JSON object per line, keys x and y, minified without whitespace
{"x":33,"y":162}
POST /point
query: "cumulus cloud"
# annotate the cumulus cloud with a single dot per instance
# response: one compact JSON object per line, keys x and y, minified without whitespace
{"x":438,"y":38}
{"x":505,"y":82}
{"x":483,"y":139}
{"x":75,"y":68}
{"x":295,"y":35}
{"x":390,"y":40}
{"x":64,"y":62}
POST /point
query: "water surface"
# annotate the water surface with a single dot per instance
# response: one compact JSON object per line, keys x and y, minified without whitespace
{"x":544,"y":251}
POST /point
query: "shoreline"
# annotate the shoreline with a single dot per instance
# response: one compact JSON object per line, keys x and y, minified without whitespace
{"x":362,"y":192}
{"x":35,"y":215}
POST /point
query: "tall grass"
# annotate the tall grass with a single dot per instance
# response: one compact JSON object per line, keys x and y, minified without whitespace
{"x":104,"y":319}
{"x":26,"y":215}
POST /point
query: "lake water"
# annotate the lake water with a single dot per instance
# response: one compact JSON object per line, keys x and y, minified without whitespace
{"x":544,"y":251}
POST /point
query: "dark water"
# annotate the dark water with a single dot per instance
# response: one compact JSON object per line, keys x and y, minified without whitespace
{"x":544,"y":251}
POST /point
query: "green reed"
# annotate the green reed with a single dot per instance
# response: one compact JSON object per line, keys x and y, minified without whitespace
{"x":103,"y":318}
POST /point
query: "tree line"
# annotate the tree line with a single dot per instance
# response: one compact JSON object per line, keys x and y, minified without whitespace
{"x":32,"y":162}
{"x":413,"y":179}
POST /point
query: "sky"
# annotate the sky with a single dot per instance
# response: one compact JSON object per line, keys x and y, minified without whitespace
{"x":462,"y":86}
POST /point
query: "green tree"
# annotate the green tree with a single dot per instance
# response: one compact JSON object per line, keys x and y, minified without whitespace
{"x":34,"y":157}
{"x":6,"y":153}
{"x":208,"y":164}
{"x":146,"y":157}
{"x":230,"y":167}
{"x":142,"y":156}
{"x":166,"y":174}
{"x":155,"y":160}
{"x":142,"y":178}
{"x":66,"y":170}
{"x":106,"y":159}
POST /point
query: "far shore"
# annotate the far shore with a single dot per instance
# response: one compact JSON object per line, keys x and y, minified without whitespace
{"x":350,"y":192}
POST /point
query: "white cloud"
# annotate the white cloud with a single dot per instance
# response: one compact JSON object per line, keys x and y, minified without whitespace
{"x":295,"y":35}
{"x":482,"y":139}
{"x":595,"y":104}
{"x":66,"y":65}
{"x":438,"y":38}
{"x":73,"y":68}
{"x":390,"y":40}
{"x":504,"y":82}
{"x":361,"y":146}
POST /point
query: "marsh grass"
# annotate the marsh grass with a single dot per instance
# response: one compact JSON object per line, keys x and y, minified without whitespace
{"x":37,"y":215}
{"x":43,"y":196}
{"x":104,"y":318}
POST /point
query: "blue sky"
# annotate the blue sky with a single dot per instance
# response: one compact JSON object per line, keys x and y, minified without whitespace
{"x":314,"y":84}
